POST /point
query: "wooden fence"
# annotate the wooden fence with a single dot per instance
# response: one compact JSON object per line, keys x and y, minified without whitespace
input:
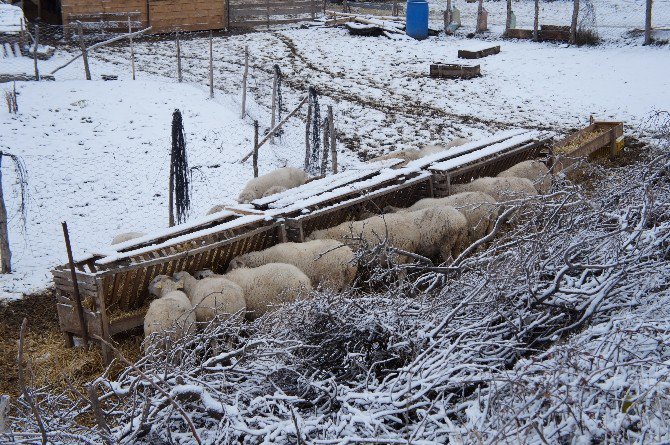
{"x":250,"y":13}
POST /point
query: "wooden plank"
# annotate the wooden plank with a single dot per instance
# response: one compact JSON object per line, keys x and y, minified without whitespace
{"x":468,"y":54}
{"x":454,"y":71}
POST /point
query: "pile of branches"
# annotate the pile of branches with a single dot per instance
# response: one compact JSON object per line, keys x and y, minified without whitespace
{"x":531,"y":336}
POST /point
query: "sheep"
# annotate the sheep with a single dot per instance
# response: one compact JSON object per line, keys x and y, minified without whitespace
{"x":216,"y":209}
{"x":480,"y":210}
{"x":535,"y":171}
{"x":501,"y":189}
{"x":443,"y":231}
{"x":171,"y":310}
{"x":398,"y":230}
{"x":268,"y":285}
{"x":274,"y":190}
{"x":287,"y":177}
{"x":123,"y":237}
{"x":326,"y":262}
{"x":435,"y":148}
{"x":212,"y":296}
{"x":405,"y":155}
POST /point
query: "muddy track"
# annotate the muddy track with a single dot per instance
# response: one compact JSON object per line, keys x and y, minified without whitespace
{"x":409,"y":107}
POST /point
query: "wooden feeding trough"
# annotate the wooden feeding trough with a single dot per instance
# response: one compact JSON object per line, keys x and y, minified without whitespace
{"x":113,"y":283}
{"x":488,"y":161}
{"x":478,"y":54}
{"x":549,"y":33}
{"x":454,"y":71}
{"x":599,"y":138}
{"x":345,"y":196}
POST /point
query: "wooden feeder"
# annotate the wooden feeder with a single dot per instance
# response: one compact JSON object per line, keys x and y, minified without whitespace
{"x":599,"y":138}
{"x":454,"y":71}
{"x":113,"y":285}
{"x":488,"y":161}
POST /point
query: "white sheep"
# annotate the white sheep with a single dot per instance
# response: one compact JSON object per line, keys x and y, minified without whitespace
{"x":123,"y":237}
{"x":269,"y":285}
{"x":501,"y":189}
{"x":326,"y":262}
{"x":480,"y":210}
{"x":405,"y":155}
{"x":397,"y":230}
{"x":171,"y":311}
{"x":287,"y":177}
{"x":443,"y":231}
{"x":435,"y":148}
{"x":216,"y":209}
{"x":533,"y":170}
{"x":212,"y":296}
{"x":274,"y":190}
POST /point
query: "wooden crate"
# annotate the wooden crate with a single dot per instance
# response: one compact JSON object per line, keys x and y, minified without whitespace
{"x":478,"y":54}
{"x":550,"y":33}
{"x":488,"y":162}
{"x":454,"y":71}
{"x":113,"y":288}
{"x":599,"y":138}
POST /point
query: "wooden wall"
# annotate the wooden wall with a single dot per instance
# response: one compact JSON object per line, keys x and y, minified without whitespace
{"x":187,"y":15}
{"x":162,"y":15}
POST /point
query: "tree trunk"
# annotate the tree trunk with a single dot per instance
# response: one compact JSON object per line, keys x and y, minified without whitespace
{"x":573,"y":25}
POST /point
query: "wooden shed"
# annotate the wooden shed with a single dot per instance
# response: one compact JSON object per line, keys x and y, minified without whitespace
{"x":161,"y":15}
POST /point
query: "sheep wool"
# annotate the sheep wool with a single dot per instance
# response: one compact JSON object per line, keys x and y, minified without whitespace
{"x":216,"y":209}
{"x":123,"y":237}
{"x":533,"y":170}
{"x":269,"y":285}
{"x":398,"y":230}
{"x":443,"y":232}
{"x":212,"y":296}
{"x":326,"y":262}
{"x":287,"y":177}
{"x":171,"y":313}
{"x":501,"y":189}
{"x":274,"y":190}
{"x":435,"y":148}
{"x":480,"y":210}
{"x":405,"y":155}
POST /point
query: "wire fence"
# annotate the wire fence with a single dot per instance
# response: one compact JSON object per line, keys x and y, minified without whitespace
{"x":609,"y":20}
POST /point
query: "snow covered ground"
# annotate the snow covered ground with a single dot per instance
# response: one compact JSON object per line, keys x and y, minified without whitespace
{"x":97,"y":152}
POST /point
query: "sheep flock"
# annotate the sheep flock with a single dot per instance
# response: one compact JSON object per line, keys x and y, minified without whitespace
{"x":439,"y":229}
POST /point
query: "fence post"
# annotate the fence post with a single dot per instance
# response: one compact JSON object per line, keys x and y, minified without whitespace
{"x":307,"y":144}
{"x":255,"y":158}
{"x":326,"y":147}
{"x":22,"y":38}
{"x":37,"y":44}
{"x":211,"y":66}
{"x":508,"y":21}
{"x":480,"y":12}
{"x":178,"y":58}
{"x":333,"y":140}
{"x":5,"y":252}
{"x":536,"y":21}
{"x":132,"y":50}
{"x":267,"y":12}
{"x":573,"y":24}
{"x":647,"y":23}
{"x":447,"y":16}
{"x":84,"y":51}
{"x":274,"y":106}
{"x":244,"y":80}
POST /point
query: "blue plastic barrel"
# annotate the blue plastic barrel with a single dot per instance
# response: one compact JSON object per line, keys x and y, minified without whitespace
{"x":417,"y":19}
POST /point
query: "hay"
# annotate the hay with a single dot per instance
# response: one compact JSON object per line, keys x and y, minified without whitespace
{"x":578,"y":142}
